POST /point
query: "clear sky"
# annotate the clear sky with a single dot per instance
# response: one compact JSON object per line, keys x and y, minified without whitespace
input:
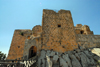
{"x":25,"y":14}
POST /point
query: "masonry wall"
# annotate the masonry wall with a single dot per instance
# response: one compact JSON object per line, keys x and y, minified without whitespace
{"x":29,"y":43}
{"x":88,"y":41}
{"x":85,"y":30}
{"x":17,"y":44}
{"x":58,"y":32}
{"x":37,"y":30}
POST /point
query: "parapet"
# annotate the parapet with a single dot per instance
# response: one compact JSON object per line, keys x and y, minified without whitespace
{"x":46,"y":11}
{"x":79,"y":25}
{"x":37,"y":30}
{"x":83,"y":29}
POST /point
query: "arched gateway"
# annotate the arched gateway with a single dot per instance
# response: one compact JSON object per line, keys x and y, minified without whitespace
{"x":32,"y":51}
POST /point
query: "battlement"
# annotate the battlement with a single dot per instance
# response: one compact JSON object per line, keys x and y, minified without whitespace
{"x":60,"y":15}
{"x":47,"y":11}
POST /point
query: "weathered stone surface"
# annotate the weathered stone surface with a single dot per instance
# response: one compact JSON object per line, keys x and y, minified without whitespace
{"x":39,"y":62}
{"x":48,"y":53}
{"x":90,"y":57}
{"x":49,"y":61}
{"x":69,"y":52}
{"x":96,"y":58}
{"x":75,"y":62}
{"x":81,"y":48}
{"x":43,"y":54}
{"x":84,"y":60}
{"x":87,"y":53}
{"x":77,"y":50}
{"x":17,"y":45}
{"x":77,"y":56}
{"x":59,"y":32}
{"x":67,"y":59}
{"x":37,"y":30}
{"x":41,"y":59}
{"x":55,"y":58}
{"x":52,"y":53}
{"x":43,"y":62}
{"x":47,"y":65}
{"x":88,"y":60}
{"x":63,"y":63}
{"x":56,"y":65}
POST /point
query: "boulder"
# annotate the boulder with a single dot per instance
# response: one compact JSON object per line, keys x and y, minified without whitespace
{"x":55,"y":58}
{"x":97,"y":58}
{"x":77,"y":50}
{"x":81,"y":48}
{"x":43,"y":54}
{"x":90,"y":57}
{"x":75,"y":62}
{"x":63,"y":63}
{"x":49,"y":62}
{"x":56,"y":65}
{"x":52,"y":53}
{"x":48,"y":53}
{"x":43,"y":62}
{"x":84,"y":60}
{"x":77,"y":56}
{"x":67,"y":59}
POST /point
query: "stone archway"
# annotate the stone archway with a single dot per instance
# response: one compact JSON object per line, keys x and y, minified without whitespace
{"x":32,"y":51}
{"x":82,"y":32}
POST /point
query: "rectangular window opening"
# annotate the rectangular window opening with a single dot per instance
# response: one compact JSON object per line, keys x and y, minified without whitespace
{"x":59,"y":25}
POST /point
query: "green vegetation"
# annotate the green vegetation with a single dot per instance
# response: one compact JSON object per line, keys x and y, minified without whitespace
{"x":21,"y":33}
{"x":2,"y":56}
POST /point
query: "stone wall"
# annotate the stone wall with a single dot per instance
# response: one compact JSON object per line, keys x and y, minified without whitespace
{"x":29,"y":43}
{"x":85,"y":30}
{"x":58,"y":32}
{"x":37,"y":30}
{"x":17,"y":44}
{"x":88,"y":41}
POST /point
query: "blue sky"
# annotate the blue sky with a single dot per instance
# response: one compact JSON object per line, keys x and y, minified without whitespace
{"x":25,"y":14}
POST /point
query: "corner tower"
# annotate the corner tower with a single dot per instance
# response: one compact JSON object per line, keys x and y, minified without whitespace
{"x":58,"y":32}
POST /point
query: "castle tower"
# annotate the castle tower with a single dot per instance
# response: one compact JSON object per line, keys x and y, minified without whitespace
{"x":17,"y":45}
{"x":58,"y":32}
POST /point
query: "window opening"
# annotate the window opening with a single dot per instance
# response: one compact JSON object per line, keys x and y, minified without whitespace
{"x":18,"y":46}
{"x":59,"y":25}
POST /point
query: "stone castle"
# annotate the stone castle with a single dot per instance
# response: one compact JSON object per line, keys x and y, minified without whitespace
{"x":57,"y":33}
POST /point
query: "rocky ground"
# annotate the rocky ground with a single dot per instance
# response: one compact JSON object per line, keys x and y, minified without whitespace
{"x":77,"y":58}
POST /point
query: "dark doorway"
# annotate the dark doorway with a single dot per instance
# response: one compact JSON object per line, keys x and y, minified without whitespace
{"x":32,"y":51}
{"x":81,"y":31}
